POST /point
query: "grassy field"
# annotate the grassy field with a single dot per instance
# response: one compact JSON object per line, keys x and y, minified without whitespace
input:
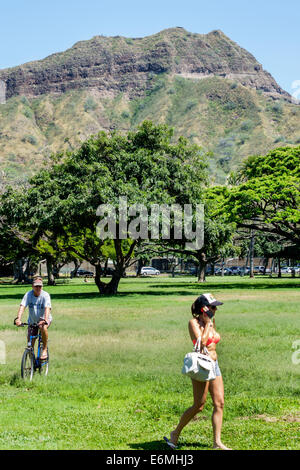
{"x":115,"y":367}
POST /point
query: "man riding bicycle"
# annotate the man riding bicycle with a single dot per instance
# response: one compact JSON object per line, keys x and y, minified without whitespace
{"x":39,"y":305}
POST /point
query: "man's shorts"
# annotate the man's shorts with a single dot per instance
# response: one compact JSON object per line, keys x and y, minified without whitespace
{"x":34,"y":330}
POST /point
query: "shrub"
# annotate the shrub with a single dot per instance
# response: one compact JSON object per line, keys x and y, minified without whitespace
{"x":28,"y":113}
{"x":280,"y":138}
{"x":246,"y":126}
{"x":125,"y":115}
{"x":30,"y":139}
{"x":229,"y":106}
{"x":190,"y":105}
{"x":89,"y":105}
{"x":277,"y":108}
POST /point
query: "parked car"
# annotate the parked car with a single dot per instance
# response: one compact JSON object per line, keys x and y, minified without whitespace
{"x":235,"y":270}
{"x":244,"y":270}
{"x":149,"y":271}
{"x":227,"y":272}
{"x":193,"y":271}
{"x":291,"y":268}
{"x":82,"y":272}
{"x":109,"y":271}
{"x":259,"y":269}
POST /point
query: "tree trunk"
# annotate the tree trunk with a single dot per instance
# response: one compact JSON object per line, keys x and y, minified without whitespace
{"x":105,"y":268}
{"x":213,"y":269}
{"x":51,"y":279}
{"x":77,"y":264}
{"x":19,"y":270}
{"x":279,"y":268}
{"x":266,"y":262}
{"x":272,"y":267}
{"x":251,"y":254}
{"x":202,"y":266}
{"x":141,"y":264}
{"x":109,"y":288}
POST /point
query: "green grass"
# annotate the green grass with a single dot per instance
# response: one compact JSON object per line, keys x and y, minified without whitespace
{"x":115,"y":370}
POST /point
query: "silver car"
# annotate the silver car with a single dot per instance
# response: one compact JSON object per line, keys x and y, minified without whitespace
{"x":149,"y":271}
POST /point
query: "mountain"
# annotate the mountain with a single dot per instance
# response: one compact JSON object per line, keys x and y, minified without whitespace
{"x":205,"y":86}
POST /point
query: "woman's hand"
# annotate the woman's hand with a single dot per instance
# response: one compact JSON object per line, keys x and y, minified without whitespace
{"x":206,"y":318}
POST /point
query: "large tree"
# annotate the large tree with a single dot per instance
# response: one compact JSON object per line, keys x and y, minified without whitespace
{"x":265,"y":194}
{"x":218,"y":235}
{"x":143,"y":166}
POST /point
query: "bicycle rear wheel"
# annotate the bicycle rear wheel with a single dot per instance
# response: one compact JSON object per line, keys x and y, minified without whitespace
{"x":44,"y":365}
{"x":27,"y":365}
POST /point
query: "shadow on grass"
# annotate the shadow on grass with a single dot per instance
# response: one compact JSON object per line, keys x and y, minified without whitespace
{"x":96,"y":295}
{"x":278,"y":284}
{"x":161,"y":445}
{"x":164,"y":289}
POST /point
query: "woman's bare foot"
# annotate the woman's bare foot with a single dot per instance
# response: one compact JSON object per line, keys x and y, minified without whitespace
{"x":174,"y":437}
{"x":221,"y":446}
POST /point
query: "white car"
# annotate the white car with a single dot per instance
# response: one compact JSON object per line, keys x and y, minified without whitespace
{"x":290,"y":269}
{"x":149,"y":271}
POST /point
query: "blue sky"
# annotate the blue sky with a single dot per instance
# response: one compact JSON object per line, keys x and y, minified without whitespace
{"x":269,"y":29}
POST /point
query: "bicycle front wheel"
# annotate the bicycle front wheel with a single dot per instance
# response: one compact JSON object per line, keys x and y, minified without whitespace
{"x":27,"y":365}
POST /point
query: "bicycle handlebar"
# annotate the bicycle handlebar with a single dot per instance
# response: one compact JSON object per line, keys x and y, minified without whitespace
{"x":28,"y":324}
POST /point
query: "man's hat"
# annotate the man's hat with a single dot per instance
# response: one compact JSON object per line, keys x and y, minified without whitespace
{"x":38,"y":282}
{"x":205,"y":300}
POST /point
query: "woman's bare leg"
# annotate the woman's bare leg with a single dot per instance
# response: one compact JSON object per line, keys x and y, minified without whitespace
{"x":216,"y":389}
{"x":200,"y":392}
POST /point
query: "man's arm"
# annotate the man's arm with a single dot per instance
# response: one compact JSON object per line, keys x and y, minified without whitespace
{"x":18,"y":321}
{"x":47,"y":311}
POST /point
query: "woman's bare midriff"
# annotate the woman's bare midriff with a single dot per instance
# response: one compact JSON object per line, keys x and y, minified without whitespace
{"x":212,"y":351}
{"x":195,"y":332}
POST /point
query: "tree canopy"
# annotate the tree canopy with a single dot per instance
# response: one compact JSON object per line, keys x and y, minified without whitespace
{"x":266,"y":194}
{"x":145,"y":166}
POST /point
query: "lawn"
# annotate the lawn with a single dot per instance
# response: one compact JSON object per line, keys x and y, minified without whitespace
{"x":115,"y":366}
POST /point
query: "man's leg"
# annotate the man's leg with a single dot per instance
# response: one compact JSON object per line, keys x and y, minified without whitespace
{"x":44,"y":331}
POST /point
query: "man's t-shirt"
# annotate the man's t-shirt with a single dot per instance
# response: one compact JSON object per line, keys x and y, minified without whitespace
{"x":36,"y":305}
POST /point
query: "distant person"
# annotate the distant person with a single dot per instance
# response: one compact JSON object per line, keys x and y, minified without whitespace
{"x":39,"y":305}
{"x":201,"y":326}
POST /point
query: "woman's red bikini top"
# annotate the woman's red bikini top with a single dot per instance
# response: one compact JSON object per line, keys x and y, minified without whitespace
{"x":214,"y":339}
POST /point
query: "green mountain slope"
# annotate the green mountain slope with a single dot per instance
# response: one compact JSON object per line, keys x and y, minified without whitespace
{"x":205,"y":86}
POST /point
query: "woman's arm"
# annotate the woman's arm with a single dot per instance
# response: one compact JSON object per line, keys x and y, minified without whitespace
{"x":206,"y":332}
{"x":194,"y":329}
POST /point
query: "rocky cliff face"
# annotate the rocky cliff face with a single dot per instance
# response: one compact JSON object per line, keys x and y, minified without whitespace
{"x":204,"y":86}
{"x":112,"y":65}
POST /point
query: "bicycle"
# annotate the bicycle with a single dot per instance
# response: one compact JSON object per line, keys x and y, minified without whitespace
{"x":30,"y":363}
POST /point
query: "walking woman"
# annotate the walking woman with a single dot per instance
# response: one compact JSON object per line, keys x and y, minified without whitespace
{"x":202,"y":326}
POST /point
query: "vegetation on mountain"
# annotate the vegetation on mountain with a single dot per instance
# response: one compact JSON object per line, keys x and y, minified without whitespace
{"x":208,"y":88}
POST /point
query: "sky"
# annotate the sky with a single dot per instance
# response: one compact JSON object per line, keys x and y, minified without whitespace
{"x":269,"y":29}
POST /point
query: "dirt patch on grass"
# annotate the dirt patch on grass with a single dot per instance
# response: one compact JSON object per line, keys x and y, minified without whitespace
{"x":290,"y":418}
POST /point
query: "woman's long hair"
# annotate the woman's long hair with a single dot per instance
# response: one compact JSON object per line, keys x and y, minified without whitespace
{"x":196,"y":312}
